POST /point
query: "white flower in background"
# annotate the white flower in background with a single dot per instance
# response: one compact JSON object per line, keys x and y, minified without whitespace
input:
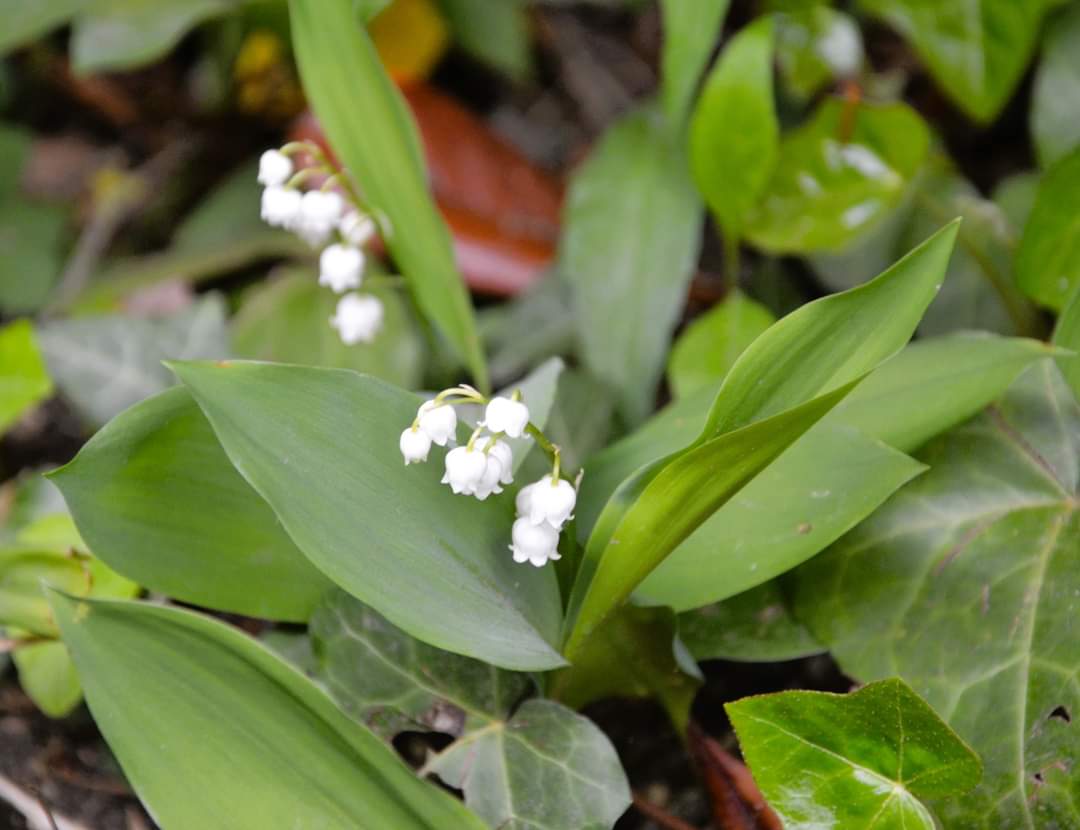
{"x":551,"y":501}
{"x":439,"y":421}
{"x":319,"y":215}
{"x":274,"y":168}
{"x":533,"y":543}
{"x":415,"y":445}
{"x":356,"y":228}
{"x":465,"y":468}
{"x":501,"y":450}
{"x":280,"y":206}
{"x":341,"y":268}
{"x":489,"y":481}
{"x":358,"y":318}
{"x":505,"y":415}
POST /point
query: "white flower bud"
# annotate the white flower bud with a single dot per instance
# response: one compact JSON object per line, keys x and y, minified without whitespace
{"x":552,"y":502}
{"x":415,"y":445}
{"x":280,"y":206}
{"x":438,"y":421}
{"x":489,"y":481}
{"x":356,"y":228}
{"x":319,"y":215}
{"x":464,"y":469}
{"x":502,"y":451}
{"x":505,"y":415}
{"x":341,"y":268}
{"x":534,"y":543}
{"x":358,"y":318}
{"x":274,"y":168}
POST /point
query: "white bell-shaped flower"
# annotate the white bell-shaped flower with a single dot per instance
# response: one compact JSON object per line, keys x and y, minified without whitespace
{"x":357,"y":228}
{"x":523,"y":500}
{"x":358,"y":318}
{"x":502,"y":451}
{"x":489,"y":481}
{"x":319,"y":215}
{"x":439,"y":421}
{"x":341,"y":268}
{"x":280,"y":206}
{"x":552,"y":502}
{"x":274,"y":168}
{"x":415,"y":445}
{"x":506,"y":415}
{"x":464,"y":469}
{"x":533,"y":543}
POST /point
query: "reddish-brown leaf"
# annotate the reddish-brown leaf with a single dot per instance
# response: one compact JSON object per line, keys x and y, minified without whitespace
{"x":736,"y":800}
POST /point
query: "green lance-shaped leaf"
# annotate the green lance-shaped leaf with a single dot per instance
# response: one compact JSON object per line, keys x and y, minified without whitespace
{"x":155,"y":496}
{"x":321,"y":447}
{"x":868,"y":759}
{"x":372,"y":133}
{"x":1048,"y":260}
{"x":520,"y":765}
{"x":691,"y":28}
{"x":24,"y":380}
{"x":977,"y":51}
{"x":215,"y":731}
{"x":966,"y":585}
{"x":735,"y":133}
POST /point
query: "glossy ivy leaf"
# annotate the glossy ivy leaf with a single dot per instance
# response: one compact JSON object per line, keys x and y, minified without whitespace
{"x":260,"y":745}
{"x":24,"y":380}
{"x":964,"y":584}
{"x":1048,"y":261}
{"x":1056,"y":93}
{"x":691,"y":28}
{"x":633,"y":228}
{"x":837,"y":176}
{"x":520,"y":765}
{"x":870,"y":758}
{"x":285,"y":320}
{"x":105,"y":364}
{"x":321,"y":447}
{"x":709,"y":346}
{"x":154,"y":494}
{"x":977,"y":51}
{"x":373,"y":134}
{"x":814,"y":46}
{"x":754,"y":626}
{"x":734,"y":132}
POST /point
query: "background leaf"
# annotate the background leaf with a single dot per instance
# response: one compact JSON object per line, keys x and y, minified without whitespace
{"x":372,"y":133}
{"x":321,"y":447}
{"x":260,"y":744}
{"x":815,"y":45}
{"x":1048,"y":261}
{"x":965,"y":584}
{"x":495,"y":33}
{"x":866,"y":759}
{"x":1056,"y":94}
{"x":633,"y":227}
{"x":24,"y":380}
{"x":691,"y":28}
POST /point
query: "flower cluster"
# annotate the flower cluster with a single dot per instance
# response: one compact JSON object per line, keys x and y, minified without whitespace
{"x":318,"y":216}
{"x":486,"y":462}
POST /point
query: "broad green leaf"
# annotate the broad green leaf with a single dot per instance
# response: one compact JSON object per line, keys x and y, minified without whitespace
{"x":243,"y":741}
{"x":581,"y":419}
{"x":1056,"y":94}
{"x":521,"y":333}
{"x":866,"y":759}
{"x":372,"y":133}
{"x":754,"y":626}
{"x":838,"y":176}
{"x":1067,"y":335}
{"x":24,"y":22}
{"x":691,"y":29}
{"x":977,"y":50}
{"x":1048,"y":261}
{"x":709,"y":346}
{"x":114,"y":35}
{"x":649,"y":517}
{"x":826,"y":483}
{"x":155,"y":497}
{"x":286,"y":320}
{"x":495,"y":33}
{"x":104,"y":364}
{"x":633,"y":227}
{"x":24,"y":380}
{"x":48,"y":677}
{"x":734,"y":132}
{"x":814,"y":46}
{"x":538,"y":767}
{"x":966,"y":585}
{"x":321,"y":447}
